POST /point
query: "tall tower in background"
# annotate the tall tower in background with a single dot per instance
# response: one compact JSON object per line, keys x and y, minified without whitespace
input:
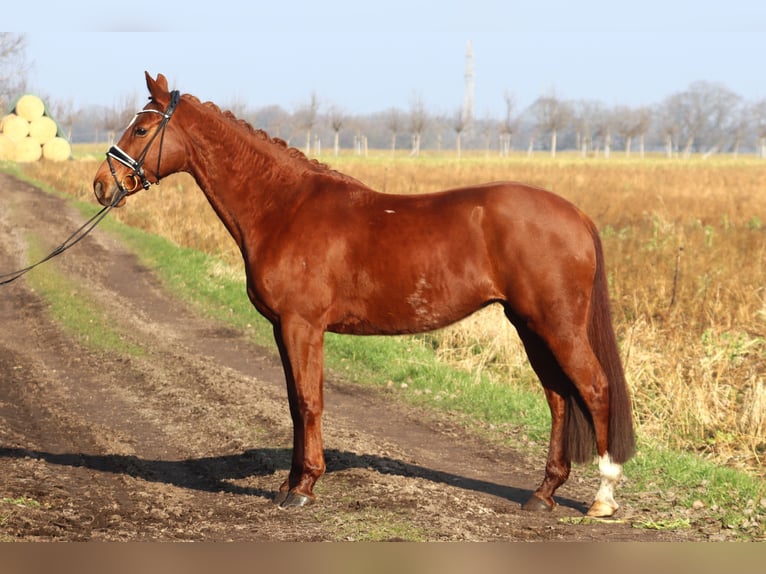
{"x":468,"y":90}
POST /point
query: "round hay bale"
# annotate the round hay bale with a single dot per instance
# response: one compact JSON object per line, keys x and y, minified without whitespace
{"x":15,"y":127}
{"x":28,"y":150}
{"x":43,"y":129}
{"x":58,"y":149}
{"x":7,"y":148}
{"x":30,"y":107}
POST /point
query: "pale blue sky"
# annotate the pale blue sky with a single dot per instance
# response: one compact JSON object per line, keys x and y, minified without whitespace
{"x":368,"y":56}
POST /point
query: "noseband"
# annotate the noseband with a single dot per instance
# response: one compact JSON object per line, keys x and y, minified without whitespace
{"x":137,"y":165}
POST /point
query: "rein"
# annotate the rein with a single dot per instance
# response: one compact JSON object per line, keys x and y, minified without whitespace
{"x":137,"y":175}
{"x":72,"y":240}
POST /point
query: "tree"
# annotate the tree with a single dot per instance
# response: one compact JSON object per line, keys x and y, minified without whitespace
{"x":394,"y":125}
{"x":700,"y":114}
{"x":273,"y":119}
{"x":603,"y":126}
{"x":459,"y":124}
{"x":507,"y":125}
{"x":631,"y":123}
{"x":584,"y":117}
{"x":418,"y":121}
{"x":759,"y":121}
{"x":13,"y":66}
{"x":306,"y":118}
{"x":337,"y":119}
{"x":552,"y":115}
{"x":118,"y":116}
{"x":669,"y":116}
{"x":740,"y":126}
{"x":65,"y":114}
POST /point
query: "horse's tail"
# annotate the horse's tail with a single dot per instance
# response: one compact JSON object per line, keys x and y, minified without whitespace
{"x":622,"y":442}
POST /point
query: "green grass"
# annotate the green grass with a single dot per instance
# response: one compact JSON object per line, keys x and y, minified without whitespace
{"x":733,"y":498}
{"x":71,"y":308}
{"x":22,"y":502}
{"x":370,"y":525}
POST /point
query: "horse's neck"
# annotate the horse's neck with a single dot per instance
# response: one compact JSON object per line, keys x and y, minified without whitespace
{"x":242,"y":176}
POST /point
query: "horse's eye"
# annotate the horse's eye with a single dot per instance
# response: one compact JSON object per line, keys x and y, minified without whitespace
{"x":139,"y":131}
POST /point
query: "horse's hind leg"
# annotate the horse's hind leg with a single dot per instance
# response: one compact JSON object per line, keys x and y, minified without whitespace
{"x":578,"y":361}
{"x":554,"y":381}
{"x":567,"y":370}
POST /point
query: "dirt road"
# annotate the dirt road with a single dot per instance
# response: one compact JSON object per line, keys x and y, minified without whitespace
{"x":189,"y":440}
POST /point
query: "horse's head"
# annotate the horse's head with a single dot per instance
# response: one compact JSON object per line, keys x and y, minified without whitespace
{"x":149,"y":147}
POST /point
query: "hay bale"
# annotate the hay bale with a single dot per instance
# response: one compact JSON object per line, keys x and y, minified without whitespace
{"x":29,"y":133}
{"x":7,"y":148}
{"x":30,"y":107}
{"x":43,"y":129}
{"x":58,"y":149}
{"x":28,"y":150}
{"x":15,"y":127}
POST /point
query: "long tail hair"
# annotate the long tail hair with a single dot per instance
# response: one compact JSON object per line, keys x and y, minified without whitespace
{"x":579,"y":425}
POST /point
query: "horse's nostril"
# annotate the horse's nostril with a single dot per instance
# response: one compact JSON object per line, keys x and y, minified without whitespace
{"x":98,"y":189}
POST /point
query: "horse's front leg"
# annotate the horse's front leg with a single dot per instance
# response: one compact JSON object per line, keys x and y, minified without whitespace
{"x":300,"y":348}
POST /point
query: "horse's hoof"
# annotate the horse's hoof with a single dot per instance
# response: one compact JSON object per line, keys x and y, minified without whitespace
{"x":601,"y":509}
{"x":537,"y":504}
{"x":293,"y":500}
{"x":281,"y":497}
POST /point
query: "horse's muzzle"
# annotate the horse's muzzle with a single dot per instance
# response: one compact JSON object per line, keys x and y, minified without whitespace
{"x":105,"y":194}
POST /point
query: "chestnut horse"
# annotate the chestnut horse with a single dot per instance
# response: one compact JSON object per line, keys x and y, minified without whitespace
{"x":324,"y":252}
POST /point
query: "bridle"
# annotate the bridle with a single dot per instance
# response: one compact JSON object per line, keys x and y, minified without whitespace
{"x":137,"y":165}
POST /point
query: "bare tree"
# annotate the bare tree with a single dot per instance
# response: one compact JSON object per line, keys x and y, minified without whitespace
{"x":273,"y":119}
{"x":394,"y":125}
{"x":118,"y":116}
{"x":759,"y":123}
{"x":13,"y":66}
{"x":740,"y":126}
{"x":669,"y":116}
{"x":603,"y":126}
{"x":337,"y":119}
{"x":418,"y":121}
{"x":643,"y":123}
{"x":725,"y":121}
{"x":306,"y":117}
{"x":700,"y":115}
{"x":65,"y":114}
{"x":584,"y":115}
{"x":458,"y":125}
{"x":237,"y":106}
{"x":552,"y":115}
{"x":631,"y":123}
{"x":507,"y":125}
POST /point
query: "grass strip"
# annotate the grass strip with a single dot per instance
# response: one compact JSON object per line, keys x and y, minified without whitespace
{"x":75,"y":313}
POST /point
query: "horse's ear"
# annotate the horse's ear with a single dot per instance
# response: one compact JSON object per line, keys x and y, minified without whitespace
{"x":158,"y":88}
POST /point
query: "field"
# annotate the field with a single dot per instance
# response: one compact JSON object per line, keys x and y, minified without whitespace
{"x":684,"y":241}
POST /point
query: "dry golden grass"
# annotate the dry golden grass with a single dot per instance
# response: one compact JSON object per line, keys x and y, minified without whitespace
{"x":685,"y":243}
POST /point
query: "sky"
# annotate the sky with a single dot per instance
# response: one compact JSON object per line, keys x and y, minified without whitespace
{"x":368,"y":56}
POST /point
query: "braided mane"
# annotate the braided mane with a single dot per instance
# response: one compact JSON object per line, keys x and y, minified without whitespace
{"x":262,"y":135}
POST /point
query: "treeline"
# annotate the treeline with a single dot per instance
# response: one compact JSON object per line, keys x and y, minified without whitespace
{"x":705,"y":118}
